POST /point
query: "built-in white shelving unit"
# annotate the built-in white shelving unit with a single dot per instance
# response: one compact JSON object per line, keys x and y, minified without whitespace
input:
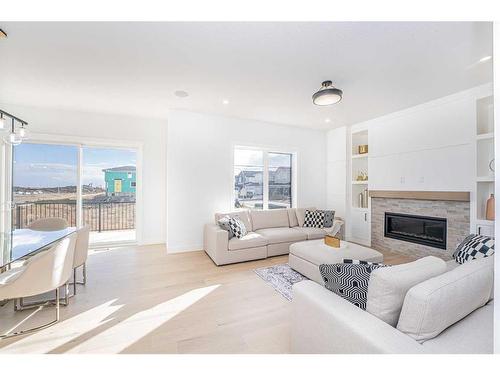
{"x":485,"y":176}
{"x":358,"y":229}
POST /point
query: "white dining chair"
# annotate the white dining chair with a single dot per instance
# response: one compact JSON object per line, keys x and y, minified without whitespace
{"x":42,"y":273}
{"x":49,"y":224}
{"x":81,"y":254}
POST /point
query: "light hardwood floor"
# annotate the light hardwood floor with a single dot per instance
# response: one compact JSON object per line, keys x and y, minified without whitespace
{"x":138,"y":299}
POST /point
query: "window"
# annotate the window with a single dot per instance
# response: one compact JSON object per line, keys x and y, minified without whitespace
{"x":262,"y":179}
{"x":44,"y":183}
{"x":84,"y":185}
{"x":280,"y":180}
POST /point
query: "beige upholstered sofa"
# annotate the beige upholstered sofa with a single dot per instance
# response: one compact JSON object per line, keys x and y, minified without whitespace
{"x":270,"y":233}
{"x":451,"y":312}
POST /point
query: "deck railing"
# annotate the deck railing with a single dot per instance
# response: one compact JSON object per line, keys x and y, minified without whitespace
{"x":100,"y":216}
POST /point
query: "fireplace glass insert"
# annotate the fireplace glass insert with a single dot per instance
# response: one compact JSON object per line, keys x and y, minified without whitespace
{"x":429,"y":231}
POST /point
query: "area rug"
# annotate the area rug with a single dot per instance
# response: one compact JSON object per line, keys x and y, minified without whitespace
{"x":281,"y":277}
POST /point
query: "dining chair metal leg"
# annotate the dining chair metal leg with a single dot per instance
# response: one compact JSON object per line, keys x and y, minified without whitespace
{"x":84,"y":273}
{"x":66,"y":293}
{"x":19,"y":304}
{"x":10,"y":334}
{"x":74,"y":281}
{"x":84,"y":276}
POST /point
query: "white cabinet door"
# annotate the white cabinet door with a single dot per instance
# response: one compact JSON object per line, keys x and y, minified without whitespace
{"x":485,"y":230}
{"x":360,"y":226}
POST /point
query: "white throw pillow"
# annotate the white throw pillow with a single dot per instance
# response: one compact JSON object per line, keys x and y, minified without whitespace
{"x":388,"y":286}
{"x":434,"y":305}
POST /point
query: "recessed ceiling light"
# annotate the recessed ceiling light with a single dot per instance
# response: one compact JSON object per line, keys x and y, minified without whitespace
{"x":327,"y":120}
{"x":181,"y":94}
{"x":225,"y":101}
{"x":484,"y":59}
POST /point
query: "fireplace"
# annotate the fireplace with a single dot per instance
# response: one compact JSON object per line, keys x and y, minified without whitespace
{"x":424,"y":230}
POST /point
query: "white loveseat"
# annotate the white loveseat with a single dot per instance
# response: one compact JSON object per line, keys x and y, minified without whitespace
{"x":448,"y":313}
{"x":270,"y":233}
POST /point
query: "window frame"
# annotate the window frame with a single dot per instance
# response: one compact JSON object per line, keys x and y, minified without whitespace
{"x":266,"y":150}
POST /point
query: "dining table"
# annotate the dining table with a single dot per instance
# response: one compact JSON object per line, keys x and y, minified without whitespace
{"x":20,"y":244}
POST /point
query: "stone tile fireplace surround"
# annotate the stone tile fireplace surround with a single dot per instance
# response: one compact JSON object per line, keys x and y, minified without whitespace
{"x":456,"y":211}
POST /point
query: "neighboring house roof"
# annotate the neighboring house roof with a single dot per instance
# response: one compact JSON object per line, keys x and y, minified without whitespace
{"x":250,"y":173}
{"x":126,"y":168}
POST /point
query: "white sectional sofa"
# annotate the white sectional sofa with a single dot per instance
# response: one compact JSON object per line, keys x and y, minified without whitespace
{"x":270,"y":233}
{"x":448,"y":313}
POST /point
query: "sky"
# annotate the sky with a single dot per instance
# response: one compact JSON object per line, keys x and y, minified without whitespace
{"x":38,"y":165}
{"x":244,"y":157}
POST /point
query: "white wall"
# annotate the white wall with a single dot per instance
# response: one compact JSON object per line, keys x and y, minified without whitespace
{"x":151,"y":133}
{"x":336,"y":170}
{"x":200,"y":170}
{"x":427,"y":147}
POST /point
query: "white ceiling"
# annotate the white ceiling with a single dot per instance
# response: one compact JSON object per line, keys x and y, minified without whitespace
{"x":267,"y":71}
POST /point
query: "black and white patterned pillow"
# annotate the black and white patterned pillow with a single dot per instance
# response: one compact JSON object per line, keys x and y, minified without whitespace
{"x":474,"y":246}
{"x":237,"y":227}
{"x":314,"y":219}
{"x":224,"y":224}
{"x":349,"y":280}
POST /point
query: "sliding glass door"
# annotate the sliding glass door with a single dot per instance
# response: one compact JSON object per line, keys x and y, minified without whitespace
{"x":109,"y":193}
{"x":93,"y":186}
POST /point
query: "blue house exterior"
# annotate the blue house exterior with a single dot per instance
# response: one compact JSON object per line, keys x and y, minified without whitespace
{"x":120,"y":181}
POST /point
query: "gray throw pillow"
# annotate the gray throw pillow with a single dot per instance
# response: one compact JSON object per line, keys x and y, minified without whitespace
{"x":329,"y":216}
{"x":224,"y":224}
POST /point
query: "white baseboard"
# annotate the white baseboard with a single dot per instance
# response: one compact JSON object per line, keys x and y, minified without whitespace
{"x":183,"y":249}
{"x":153,"y":241}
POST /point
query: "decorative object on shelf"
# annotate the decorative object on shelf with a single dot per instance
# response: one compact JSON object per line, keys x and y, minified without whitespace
{"x":490,"y":207}
{"x":362,"y":149}
{"x":332,"y":241}
{"x":362,"y":176}
{"x":327,"y":94}
{"x":365,"y":198}
{"x":16,"y":135}
{"x":491,"y":165}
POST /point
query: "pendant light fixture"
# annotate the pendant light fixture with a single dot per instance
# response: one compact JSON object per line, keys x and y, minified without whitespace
{"x":2,"y":122}
{"x":15,"y":136}
{"x":327,"y":94}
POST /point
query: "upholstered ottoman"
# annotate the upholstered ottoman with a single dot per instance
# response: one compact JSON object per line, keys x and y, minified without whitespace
{"x":305,"y":257}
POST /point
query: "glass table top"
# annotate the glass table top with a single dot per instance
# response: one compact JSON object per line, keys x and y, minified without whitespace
{"x":21,"y":243}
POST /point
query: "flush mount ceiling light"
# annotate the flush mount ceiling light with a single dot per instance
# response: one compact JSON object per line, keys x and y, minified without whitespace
{"x":327,"y":94}
{"x":225,"y":101}
{"x":181,"y":94}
